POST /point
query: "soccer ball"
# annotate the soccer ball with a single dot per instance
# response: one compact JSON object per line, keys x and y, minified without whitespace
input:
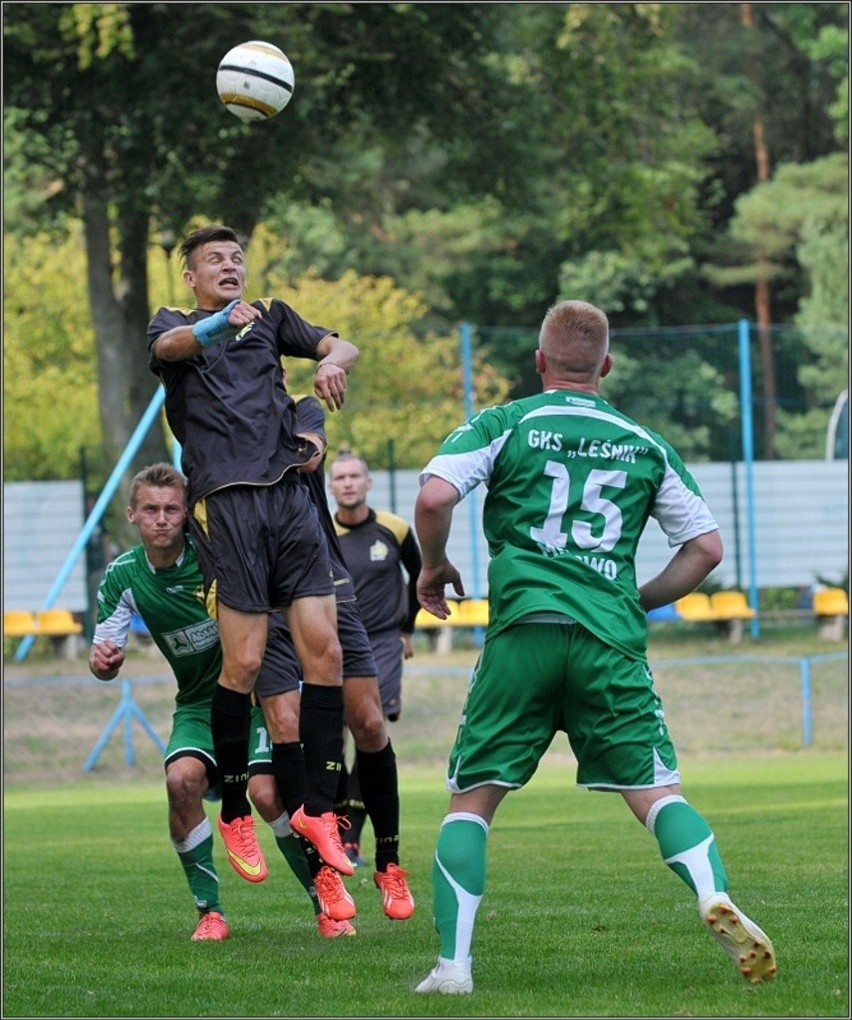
{"x":255,"y":80}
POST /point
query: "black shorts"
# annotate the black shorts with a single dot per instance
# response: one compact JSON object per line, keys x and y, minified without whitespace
{"x":280,"y":671}
{"x":261,"y":546}
{"x":358,"y":657}
{"x":389,"y":654}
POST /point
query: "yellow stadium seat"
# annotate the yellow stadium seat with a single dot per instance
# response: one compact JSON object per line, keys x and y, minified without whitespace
{"x":426,"y":621}
{"x":473,"y":613}
{"x":56,"y":622}
{"x":831,"y":602}
{"x":61,"y":629}
{"x":19,"y":623}
{"x":695,"y":607}
{"x":731,"y":605}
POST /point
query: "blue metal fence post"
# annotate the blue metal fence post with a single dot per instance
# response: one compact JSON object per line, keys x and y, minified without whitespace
{"x":473,"y":516}
{"x":748,"y":464}
{"x":126,"y":711}
{"x":807,"y":711}
{"x":98,"y":509}
{"x":467,"y":370}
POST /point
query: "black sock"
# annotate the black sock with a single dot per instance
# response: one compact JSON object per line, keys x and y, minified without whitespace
{"x":354,"y":810}
{"x":321,"y":733}
{"x":288,"y":767}
{"x":342,"y":795}
{"x":315,"y":862}
{"x":380,"y":789}
{"x":230,"y":714}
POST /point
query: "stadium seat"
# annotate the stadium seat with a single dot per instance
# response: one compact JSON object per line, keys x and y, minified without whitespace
{"x":439,"y":632}
{"x":664,"y":614}
{"x":695,"y":607}
{"x":18,"y":623}
{"x":58,"y":622}
{"x":831,"y":609}
{"x":731,"y":605}
{"x":730,"y":610}
{"x":831,"y":602}
{"x":426,"y":621}
{"x":63,"y":630}
{"x":473,"y":613}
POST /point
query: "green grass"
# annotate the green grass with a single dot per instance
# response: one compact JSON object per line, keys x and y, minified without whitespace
{"x":580,"y":917}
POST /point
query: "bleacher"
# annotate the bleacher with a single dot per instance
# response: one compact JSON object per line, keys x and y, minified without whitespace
{"x":59,"y":626}
{"x":726,"y":610}
{"x":465,"y":614}
{"x":831,"y":610}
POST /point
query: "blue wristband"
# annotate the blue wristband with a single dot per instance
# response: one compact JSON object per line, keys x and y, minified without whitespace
{"x":216,"y":327}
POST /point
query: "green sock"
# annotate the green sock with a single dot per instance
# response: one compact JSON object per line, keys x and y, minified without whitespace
{"x":195,"y":854}
{"x":458,"y":882}
{"x":294,"y":855}
{"x":688,"y":845}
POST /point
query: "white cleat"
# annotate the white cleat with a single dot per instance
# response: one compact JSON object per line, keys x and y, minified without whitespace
{"x":448,"y":978}
{"x":742,"y":940}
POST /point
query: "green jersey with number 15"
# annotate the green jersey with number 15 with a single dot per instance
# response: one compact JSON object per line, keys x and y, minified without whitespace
{"x":571,"y":484}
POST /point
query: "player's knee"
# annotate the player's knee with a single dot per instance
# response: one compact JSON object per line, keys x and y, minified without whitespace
{"x":326,"y":666}
{"x":239,"y":672}
{"x":369,"y":732}
{"x":185,"y":786}
{"x":264,"y":795}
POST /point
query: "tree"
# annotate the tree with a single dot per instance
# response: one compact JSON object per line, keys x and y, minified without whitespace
{"x":405,"y":395}
{"x":109,"y":108}
{"x":770,"y":72}
{"x":48,"y":359}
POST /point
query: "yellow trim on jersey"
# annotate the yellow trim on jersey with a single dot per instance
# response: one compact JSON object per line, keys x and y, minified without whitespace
{"x":394,"y":523}
{"x":199,"y":512}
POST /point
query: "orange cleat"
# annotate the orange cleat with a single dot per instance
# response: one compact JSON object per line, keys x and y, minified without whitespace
{"x":243,"y":851}
{"x":331,"y":929}
{"x":397,"y":901}
{"x":212,"y":927}
{"x":323,"y":831}
{"x":333,"y":898}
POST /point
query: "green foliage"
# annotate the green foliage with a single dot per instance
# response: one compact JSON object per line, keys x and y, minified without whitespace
{"x":407,"y":385}
{"x":487,"y":157}
{"x":689,"y":402}
{"x":50,"y":407}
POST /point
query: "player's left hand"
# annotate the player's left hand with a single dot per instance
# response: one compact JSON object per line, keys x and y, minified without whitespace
{"x":407,"y":646}
{"x":330,"y":384}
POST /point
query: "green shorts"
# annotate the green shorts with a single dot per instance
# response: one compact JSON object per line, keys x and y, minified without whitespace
{"x":260,"y":745}
{"x":192,"y":737}
{"x":536,"y":679}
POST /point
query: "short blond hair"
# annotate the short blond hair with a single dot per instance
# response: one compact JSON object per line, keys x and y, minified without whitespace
{"x":157,"y":476}
{"x":574,"y":337}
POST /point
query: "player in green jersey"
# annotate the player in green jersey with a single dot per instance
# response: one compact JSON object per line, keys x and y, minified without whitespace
{"x":571,"y":484}
{"x":161,"y":580}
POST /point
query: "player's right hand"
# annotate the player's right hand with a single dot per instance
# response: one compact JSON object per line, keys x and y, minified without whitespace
{"x":431,"y":585}
{"x":106,"y":658}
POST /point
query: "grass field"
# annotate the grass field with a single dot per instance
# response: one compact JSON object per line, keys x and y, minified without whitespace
{"x":580,"y":917}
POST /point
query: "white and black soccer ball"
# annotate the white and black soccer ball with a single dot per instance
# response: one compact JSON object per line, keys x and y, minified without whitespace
{"x":255,"y":80}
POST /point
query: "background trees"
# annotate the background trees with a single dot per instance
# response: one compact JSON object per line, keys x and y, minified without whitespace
{"x":438,"y":162}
